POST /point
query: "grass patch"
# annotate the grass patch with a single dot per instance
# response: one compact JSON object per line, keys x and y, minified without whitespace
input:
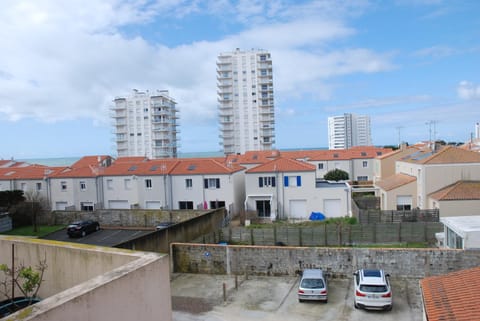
{"x":42,"y":230}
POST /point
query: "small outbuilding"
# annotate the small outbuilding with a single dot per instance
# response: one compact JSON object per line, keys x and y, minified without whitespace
{"x":461,"y":232}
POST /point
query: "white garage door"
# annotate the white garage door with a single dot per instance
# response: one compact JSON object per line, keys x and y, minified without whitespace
{"x":60,"y":206}
{"x":119,"y":205}
{"x":152,"y":205}
{"x":332,"y":208}
{"x":298,"y":209}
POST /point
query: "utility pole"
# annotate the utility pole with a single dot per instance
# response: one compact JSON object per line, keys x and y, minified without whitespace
{"x":399,"y":128}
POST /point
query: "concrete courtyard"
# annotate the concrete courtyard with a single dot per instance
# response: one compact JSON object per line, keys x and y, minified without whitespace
{"x":198,"y":297}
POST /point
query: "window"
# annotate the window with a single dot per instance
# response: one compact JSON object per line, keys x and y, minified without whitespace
{"x":39,"y":186}
{"x":188,"y":183}
{"x":148,"y":183}
{"x":211,"y":183}
{"x":127,"y":183}
{"x":263,"y":208}
{"x":362,"y":178}
{"x":292,"y":181}
{"x":268,"y":181}
{"x":404,"y":207}
{"x":185,"y":205}
{"x":365,"y":164}
{"x":83,"y":186}
{"x":86,"y":206}
{"x":320,"y":166}
{"x":109,"y":184}
{"x":217,"y":204}
{"x":63,"y":186}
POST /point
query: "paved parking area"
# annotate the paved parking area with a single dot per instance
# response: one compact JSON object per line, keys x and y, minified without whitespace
{"x":103,"y":237}
{"x":200,"y":297}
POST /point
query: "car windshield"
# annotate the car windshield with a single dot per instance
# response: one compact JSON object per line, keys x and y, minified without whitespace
{"x":373,"y":288}
{"x":312,"y":283}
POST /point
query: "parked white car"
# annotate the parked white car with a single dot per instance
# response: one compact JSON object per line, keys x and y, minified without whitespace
{"x":372,"y":290}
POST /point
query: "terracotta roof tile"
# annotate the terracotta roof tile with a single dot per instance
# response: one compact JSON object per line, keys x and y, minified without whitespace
{"x":192,"y":166}
{"x":461,"y":190}
{"x":28,"y":172}
{"x":452,"y":296}
{"x":282,"y":165}
{"x":395,"y":181}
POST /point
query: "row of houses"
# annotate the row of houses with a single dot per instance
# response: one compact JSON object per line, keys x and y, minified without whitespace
{"x":274,"y":184}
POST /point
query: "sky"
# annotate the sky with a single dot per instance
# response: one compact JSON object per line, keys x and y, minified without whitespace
{"x":413,"y":66}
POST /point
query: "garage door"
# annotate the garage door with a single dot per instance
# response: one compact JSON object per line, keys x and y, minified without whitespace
{"x":404,"y":202}
{"x":60,"y":206}
{"x":298,"y":209}
{"x":152,"y":205}
{"x":119,"y":205}
{"x":332,"y":208}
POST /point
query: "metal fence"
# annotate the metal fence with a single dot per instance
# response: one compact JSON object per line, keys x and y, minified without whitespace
{"x":329,"y":234}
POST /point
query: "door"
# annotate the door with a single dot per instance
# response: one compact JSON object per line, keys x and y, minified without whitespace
{"x":332,"y":208}
{"x":119,"y":205}
{"x":298,"y":209}
{"x":153,"y":205}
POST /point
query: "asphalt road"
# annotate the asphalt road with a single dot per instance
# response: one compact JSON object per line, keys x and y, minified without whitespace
{"x":200,"y":297}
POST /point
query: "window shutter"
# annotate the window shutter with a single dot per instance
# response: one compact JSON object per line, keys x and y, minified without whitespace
{"x":218,"y":182}
{"x":260,"y":182}
{"x":205,"y":183}
{"x":285,"y":181}
{"x":299,"y":180}
{"x":273,"y":181}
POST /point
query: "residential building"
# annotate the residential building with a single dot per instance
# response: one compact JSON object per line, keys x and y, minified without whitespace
{"x":349,"y":130}
{"x":424,"y":172}
{"x":91,"y":282}
{"x":285,"y":188}
{"x":245,"y":101}
{"x":457,"y":199}
{"x":460,"y":232}
{"x":145,"y":124}
{"x":451,"y":296}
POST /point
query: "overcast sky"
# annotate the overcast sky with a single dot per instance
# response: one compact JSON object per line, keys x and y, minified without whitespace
{"x":413,"y":66}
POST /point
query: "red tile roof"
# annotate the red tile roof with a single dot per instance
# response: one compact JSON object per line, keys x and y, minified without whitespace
{"x":197,"y":166}
{"x":282,"y":165}
{"x":395,"y":181}
{"x":452,"y":296}
{"x":28,"y":172}
{"x":461,"y":190}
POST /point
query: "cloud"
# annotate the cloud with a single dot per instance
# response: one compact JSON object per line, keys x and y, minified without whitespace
{"x":436,"y":52}
{"x":468,"y":90}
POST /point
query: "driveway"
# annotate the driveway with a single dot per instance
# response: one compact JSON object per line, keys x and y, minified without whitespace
{"x":200,"y":297}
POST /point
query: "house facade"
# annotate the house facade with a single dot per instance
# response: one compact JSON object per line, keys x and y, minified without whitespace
{"x":431,"y":170}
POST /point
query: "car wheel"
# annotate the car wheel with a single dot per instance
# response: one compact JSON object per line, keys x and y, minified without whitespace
{"x":355,"y":305}
{"x":300,"y":300}
{"x":389,"y":308}
{"x":84,"y":233}
{"x":326,"y":301}
{"x":97,"y":227}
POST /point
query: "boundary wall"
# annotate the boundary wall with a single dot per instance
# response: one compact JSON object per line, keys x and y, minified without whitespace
{"x":338,"y":262}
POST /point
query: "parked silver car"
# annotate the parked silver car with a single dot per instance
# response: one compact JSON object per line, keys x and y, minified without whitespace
{"x":372,"y":290}
{"x":313,"y":286}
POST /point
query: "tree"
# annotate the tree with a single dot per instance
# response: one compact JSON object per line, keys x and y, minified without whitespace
{"x":11,"y":198}
{"x":336,"y":175}
{"x":28,"y":211}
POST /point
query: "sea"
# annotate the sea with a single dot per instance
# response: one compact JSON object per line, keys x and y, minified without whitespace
{"x":67,"y":161}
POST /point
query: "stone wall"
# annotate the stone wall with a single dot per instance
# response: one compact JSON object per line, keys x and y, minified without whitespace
{"x":339,"y":262}
{"x":130,"y":218}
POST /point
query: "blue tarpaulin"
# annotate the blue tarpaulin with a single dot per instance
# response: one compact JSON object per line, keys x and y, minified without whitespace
{"x":317,"y":216}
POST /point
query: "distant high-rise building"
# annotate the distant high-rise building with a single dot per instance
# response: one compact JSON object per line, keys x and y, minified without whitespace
{"x":146,"y":124}
{"x":245,"y":101}
{"x":349,"y":130}
{"x":477,"y":130}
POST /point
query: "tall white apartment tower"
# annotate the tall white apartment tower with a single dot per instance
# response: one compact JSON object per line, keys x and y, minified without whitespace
{"x":349,"y":130}
{"x":145,"y":124}
{"x":245,"y":101}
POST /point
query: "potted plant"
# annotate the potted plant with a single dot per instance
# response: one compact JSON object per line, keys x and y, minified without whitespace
{"x":24,"y":278}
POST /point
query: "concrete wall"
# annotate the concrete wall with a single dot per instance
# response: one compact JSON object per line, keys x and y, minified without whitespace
{"x":456,"y":208}
{"x":341,"y":262}
{"x":184,"y":232}
{"x":93,"y":283}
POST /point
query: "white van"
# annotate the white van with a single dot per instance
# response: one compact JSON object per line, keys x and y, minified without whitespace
{"x":313,"y":286}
